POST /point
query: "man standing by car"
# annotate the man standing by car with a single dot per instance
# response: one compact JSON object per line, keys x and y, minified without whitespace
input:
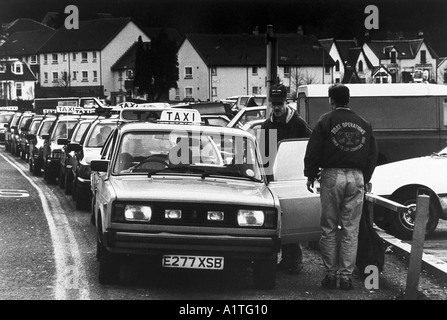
{"x":343,"y":147}
{"x":287,"y":124}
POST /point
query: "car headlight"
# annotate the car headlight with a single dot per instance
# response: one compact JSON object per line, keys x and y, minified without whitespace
{"x":250,"y":218}
{"x":132,"y":213}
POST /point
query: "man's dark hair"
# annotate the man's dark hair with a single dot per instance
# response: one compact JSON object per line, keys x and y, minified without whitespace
{"x":339,"y":93}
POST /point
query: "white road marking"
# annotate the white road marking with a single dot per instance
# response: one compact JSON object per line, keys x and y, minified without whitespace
{"x":66,"y":251}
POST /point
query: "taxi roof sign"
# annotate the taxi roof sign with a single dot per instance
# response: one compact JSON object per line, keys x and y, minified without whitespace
{"x":142,"y":113}
{"x":184,"y":116}
{"x":9,"y":108}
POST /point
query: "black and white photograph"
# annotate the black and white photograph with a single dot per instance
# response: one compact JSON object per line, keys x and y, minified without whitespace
{"x":231,"y":157}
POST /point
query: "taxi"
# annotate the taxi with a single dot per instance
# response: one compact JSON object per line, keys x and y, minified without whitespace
{"x":5,"y":118}
{"x":193,"y":196}
{"x":36,"y":144}
{"x":30,"y":127}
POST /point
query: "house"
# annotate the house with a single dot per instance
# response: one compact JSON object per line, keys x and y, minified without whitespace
{"x":79,"y":61}
{"x":215,"y":66}
{"x":406,"y":60}
{"x":16,"y":81}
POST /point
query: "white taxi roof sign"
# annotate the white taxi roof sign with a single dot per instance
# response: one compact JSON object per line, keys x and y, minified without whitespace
{"x":177,"y":115}
{"x":140,"y":114}
{"x":73,"y":110}
{"x":9,"y":108}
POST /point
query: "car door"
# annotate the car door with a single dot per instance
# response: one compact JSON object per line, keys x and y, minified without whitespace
{"x":300,"y":209}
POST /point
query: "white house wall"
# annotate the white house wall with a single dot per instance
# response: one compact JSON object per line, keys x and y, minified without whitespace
{"x":114,"y":50}
{"x":104,"y":61}
{"x":335,"y":55}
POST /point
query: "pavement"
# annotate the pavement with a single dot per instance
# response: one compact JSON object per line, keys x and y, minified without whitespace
{"x":393,"y":280}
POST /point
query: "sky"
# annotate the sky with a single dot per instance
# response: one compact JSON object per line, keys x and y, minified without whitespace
{"x":342,"y":19}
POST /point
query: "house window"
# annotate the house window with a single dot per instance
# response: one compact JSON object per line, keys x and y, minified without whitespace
{"x":120,"y":76}
{"x":337,"y":80}
{"x":177,"y":93}
{"x":94,"y":56}
{"x":129,"y":74}
{"x":214,"y":91}
{"x":74,"y":75}
{"x":188,"y":73}
{"x":73,"y":56}
{"x":213,"y":71}
{"x":54,"y":58}
{"x":45,"y":77}
{"x":2,"y":68}
{"x":18,"y":90}
{"x":84,"y":57}
{"x":254,"y":71}
{"x":34,"y":59}
{"x":256,"y":90}
{"x":55,"y":76}
{"x":17,"y":68}
{"x":64,"y":57}
{"x":423,"y":56}
{"x":84,"y":76}
{"x":64,"y":76}
{"x":393,"y":56}
{"x":286,"y":71}
{"x":327,"y":69}
{"x":361,"y":66}
{"x":337,"y":66}
{"x":45,"y":59}
{"x":188,"y":92}
{"x":95,"y":76}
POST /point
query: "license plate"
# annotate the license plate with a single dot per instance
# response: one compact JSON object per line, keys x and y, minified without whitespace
{"x":193,"y":262}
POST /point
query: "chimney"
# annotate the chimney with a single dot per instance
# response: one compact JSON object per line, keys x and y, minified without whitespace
{"x":421,"y":34}
{"x":300,"y":30}
{"x":367,"y":37}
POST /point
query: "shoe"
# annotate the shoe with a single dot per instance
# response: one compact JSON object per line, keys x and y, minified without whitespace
{"x":296,"y":269}
{"x":346,"y":284}
{"x":329,"y":283}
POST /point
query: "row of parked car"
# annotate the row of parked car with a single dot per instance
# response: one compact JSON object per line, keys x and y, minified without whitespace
{"x":58,"y":147}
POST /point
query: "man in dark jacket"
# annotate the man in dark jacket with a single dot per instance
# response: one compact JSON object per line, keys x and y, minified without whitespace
{"x":343,"y":147}
{"x":286,"y":124}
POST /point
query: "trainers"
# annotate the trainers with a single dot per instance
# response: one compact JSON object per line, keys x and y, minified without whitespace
{"x":329,"y":282}
{"x":295,"y":269}
{"x":346,"y":284}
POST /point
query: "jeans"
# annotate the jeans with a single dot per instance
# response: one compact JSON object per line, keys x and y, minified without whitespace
{"x":342,"y":192}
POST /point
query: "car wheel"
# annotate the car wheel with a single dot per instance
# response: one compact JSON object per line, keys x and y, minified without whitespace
{"x":403,"y":223}
{"x":92,"y":211}
{"x":36,"y":169}
{"x":61,"y":178}
{"x":264,"y":273}
{"x":68,"y":183}
{"x":109,"y":268}
{"x":75,"y":191}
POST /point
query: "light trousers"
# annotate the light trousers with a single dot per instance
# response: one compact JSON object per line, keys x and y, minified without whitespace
{"x":342,"y":192}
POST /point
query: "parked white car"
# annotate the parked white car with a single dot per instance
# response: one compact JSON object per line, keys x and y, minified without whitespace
{"x":400,"y":181}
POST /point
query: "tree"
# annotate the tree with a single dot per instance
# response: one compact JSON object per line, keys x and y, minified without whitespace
{"x":156,"y":68}
{"x":142,"y":76}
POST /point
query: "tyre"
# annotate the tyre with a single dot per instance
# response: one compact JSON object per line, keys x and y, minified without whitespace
{"x":61,"y":178}
{"x":68,"y":183}
{"x":109,"y":268}
{"x":36,"y":169}
{"x":403,"y":223}
{"x":74,"y":188}
{"x":264,"y":274}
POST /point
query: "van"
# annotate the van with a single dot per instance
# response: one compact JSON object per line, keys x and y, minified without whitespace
{"x":408,"y":119}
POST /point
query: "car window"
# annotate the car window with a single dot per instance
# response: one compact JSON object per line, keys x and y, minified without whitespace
{"x":5,"y":118}
{"x":186,"y":153}
{"x":80,"y":129}
{"x":62,"y":129}
{"x":34,"y":126}
{"x":286,"y":169}
{"x":45,"y":127}
{"x":99,"y":134}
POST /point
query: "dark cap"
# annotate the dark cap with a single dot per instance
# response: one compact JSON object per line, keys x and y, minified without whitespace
{"x":339,"y":93}
{"x":278,"y":93}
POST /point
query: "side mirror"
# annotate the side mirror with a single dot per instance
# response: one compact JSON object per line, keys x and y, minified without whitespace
{"x":63,"y":141}
{"x":99,"y":165}
{"x":73,"y":147}
{"x":46,"y":136}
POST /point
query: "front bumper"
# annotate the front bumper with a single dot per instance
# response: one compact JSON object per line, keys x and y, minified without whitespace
{"x":234,"y":247}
